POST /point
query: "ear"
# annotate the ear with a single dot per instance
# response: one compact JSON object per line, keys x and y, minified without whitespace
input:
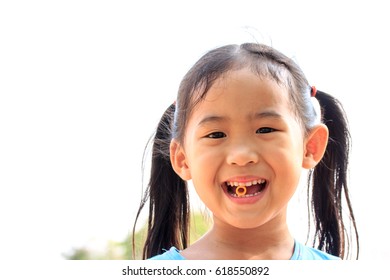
{"x":315,"y":146}
{"x":178,"y":160}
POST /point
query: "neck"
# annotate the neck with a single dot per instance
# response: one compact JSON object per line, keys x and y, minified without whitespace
{"x":269,"y":241}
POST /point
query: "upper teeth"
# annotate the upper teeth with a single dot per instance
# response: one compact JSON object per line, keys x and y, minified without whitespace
{"x":246,"y":184}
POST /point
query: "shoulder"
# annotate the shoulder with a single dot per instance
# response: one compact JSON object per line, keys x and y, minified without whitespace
{"x":171,"y":254}
{"x":302,"y":252}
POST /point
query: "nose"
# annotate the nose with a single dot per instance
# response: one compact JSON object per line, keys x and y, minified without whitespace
{"x":242,"y":154}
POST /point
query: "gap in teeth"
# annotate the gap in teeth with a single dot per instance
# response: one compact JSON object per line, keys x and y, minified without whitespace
{"x":246,"y":184}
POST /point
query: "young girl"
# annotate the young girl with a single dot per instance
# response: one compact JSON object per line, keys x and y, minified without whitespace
{"x":244,"y":125}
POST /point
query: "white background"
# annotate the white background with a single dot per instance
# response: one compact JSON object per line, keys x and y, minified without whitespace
{"x":83,"y":84}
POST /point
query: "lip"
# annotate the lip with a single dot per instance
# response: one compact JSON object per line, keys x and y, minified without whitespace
{"x":243,"y":180}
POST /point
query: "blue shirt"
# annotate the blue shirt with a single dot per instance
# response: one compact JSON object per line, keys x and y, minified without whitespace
{"x":301,"y":252}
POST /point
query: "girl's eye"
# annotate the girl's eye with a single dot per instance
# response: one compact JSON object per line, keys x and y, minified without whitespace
{"x":216,"y":135}
{"x":265,"y":130}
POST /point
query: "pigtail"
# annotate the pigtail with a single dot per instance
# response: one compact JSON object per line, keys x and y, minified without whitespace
{"x":168,"y":223}
{"x":329,"y":182}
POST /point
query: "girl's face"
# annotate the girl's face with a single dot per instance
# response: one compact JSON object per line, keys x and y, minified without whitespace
{"x":244,"y":133}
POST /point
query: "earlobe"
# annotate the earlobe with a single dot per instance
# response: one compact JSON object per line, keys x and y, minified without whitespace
{"x":178,"y":160}
{"x":315,"y":146}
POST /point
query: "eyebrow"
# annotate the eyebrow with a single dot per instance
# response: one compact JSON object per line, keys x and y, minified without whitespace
{"x":261,"y":115}
{"x":268,"y":114}
{"x":211,"y":119}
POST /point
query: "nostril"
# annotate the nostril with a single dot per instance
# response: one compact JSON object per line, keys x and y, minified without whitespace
{"x":242,"y":162}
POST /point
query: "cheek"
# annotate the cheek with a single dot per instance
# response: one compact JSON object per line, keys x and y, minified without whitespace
{"x":200,"y":156}
{"x":204,"y":167}
{"x":287,"y":160}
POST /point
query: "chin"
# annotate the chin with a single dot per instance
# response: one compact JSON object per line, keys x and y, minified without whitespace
{"x":246,"y":225}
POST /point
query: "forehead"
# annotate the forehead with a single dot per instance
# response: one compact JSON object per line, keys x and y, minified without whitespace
{"x":245,"y":92}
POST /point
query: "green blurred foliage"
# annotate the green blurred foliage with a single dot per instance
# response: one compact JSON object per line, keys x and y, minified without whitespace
{"x":124,"y":250}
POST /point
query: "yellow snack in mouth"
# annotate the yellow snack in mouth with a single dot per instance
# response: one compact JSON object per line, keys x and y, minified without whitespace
{"x":240,"y":191}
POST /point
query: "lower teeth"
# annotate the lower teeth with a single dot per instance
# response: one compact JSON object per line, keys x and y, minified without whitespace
{"x":247,"y":195}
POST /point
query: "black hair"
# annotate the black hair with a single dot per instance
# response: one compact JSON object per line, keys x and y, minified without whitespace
{"x":168,"y":222}
{"x":326,"y":198}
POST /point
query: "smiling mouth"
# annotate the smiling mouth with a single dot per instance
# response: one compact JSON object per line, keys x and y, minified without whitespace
{"x":247,"y":189}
